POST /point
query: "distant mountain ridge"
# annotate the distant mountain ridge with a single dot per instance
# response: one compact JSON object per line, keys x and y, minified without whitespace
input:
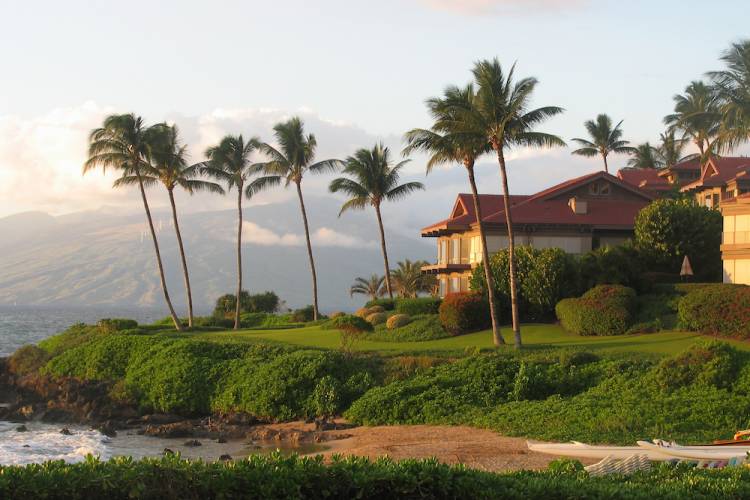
{"x":101,"y":258}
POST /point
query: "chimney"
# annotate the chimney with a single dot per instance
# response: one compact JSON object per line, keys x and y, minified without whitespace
{"x":579,"y":207}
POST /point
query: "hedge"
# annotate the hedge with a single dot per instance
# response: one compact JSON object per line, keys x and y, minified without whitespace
{"x":352,"y":477}
{"x":717,"y":310}
{"x":603,"y":310}
{"x":464,"y":312}
{"x":419,"y":305}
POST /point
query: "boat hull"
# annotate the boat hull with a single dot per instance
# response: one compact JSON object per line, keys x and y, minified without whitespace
{"x":581,"y":450}
{"x":696,"y":452}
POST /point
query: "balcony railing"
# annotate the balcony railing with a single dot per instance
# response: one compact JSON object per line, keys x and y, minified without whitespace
{"x":736,"y":238}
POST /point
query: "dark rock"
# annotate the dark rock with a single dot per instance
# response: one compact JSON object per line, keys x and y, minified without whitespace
{"x":225,"y":457}
{"x":192,"y":443}
{"x":26,"y":446}
{"x":161,"y":418}
{"x":65,"y":432}
{"x":21,"y":428}
{"x":167,"y":451}
{"x":221,"y":439}
{"x":322,"y":424}
{"x":107,"y":428}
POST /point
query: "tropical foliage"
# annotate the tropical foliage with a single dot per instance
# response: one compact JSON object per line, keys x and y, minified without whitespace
{"x":409,"y":281}
{"x":604,"y":139}
{"x":645,"y":156}
{"x":372,"y":287}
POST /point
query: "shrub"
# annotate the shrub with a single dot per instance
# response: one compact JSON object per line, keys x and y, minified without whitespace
{"x":325,"y":397}
{"x":619,"y":265}
{"x":420,"y":328}
{"x":544,"y":275}
{"x":116,"y":324}
{"x":375,"y":310}
{"x":349,"y":323}
{"x":386,"y":304}
{"x":337,"y":314}
{"x":77,"y":334}
{"x":27,"y":359}
{"x":226,"y":305}
{"x":303,"y":315}
{"x":362,"y":312}
{"x":419,"y":305}
{"x":717,"y":310}
{"x":713,"y":363}
{"x":397,"y":321}
{"x":464,"y":313}
{"x":603,"y":310}
{"x":668,"y":230}
{"x":377,"y":318}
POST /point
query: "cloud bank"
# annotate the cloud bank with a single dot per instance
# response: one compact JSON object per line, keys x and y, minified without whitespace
{"x":325,"y":237}
{"x":494,"y":7}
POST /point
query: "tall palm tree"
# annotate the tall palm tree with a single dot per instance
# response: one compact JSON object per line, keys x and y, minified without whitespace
{"x":409,"y":281}
{"x":604,"y":139}
{"x":670,"y":149}
{"x":230,"y":162}
{"x":501,"y":110}
{"x":733,"y":85}
{"x":374,"y":179}
{"x":372,"y":287}
{"x":645,"y":156}
{"x":170,"y":168}
{"x":697,"y":117}
{"x":451,"y":139}
{"x":124,"y":143}
{"x":290,"y":162}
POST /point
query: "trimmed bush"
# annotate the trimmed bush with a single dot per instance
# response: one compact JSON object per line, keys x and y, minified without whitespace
{"x":603,"y":310}
{"x":377,"y":318}
{"x":375,"y":310}
{"x":352,"y":324}
{"x":397,"y":321}
{"x":337,"y":314}
{"x":717,"y":310}
{"x":709,"y":362}
{"x":419,"y":305}
{"x":362,"y":312}
{"x":419,"y":329}
{"x":116,"y":324}
{"x":386,"y":304}
{"x":464,"y":313}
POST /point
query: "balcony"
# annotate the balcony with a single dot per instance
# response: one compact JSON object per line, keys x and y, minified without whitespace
{"x":453,"y":266}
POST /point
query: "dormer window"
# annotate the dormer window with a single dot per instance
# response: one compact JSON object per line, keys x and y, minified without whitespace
{"x":599,"y":189}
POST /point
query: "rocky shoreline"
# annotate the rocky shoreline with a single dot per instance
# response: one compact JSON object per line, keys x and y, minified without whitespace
{"x":69,"y":401}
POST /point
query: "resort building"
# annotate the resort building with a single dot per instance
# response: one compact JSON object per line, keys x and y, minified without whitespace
{"x":578,"y":215}
{"x":722,"y":179}
{"x":735,"y":247}
{"x":682,"y":173}
{"x":647,"y":179}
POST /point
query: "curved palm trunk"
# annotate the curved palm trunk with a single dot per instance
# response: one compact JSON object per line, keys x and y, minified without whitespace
{"x":606,"y":167}
{"x":497,"y":339}
{"x":385,"y":252}
{"x":511,"y":252}
{"x":175,"y":319}
{"x":238,"y":306}
{"x":309,"y":252}
{"x":185,"y":274}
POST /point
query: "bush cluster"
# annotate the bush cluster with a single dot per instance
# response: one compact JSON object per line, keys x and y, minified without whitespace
{"x":418,"y":329}
{"x":464,"y":313}
{"x":397,"y":321}
{"x":386,"y":304}
{"x":226,"y":305}
{"x":717,"y":310}
{"x":377,"y":318}
{"x":603,"y":310}
{"x":419,"y":305}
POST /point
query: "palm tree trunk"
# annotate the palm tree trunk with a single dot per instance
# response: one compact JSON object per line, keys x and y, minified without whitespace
{"x":385,"y":252}
{"x":182,"y":257}
{"x":238,"y":305}
{"x":316,"y":313}
{"x":172,"y":314}
{"x":497,"y":339}
{"x":511,"y":252}
{"x":606,"y":167}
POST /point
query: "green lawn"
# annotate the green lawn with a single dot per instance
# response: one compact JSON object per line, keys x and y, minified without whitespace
{"x":535,"y":336}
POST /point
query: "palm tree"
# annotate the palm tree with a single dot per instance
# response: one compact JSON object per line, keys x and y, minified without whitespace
{"x":374,"y":180}
{"x":290,"y":163}
{"x":670,"y":149}
{"x":451,"y":139}
{"x":124,"y":143}
{"x":229,"y":162}
{"x":170,"y":168}
{"x":697,"y":116}
{"x":372,"y":287}
{"x":409,"y":281}
{"x":501,"y":110}
{"x":645,"y":156}
{"x":733,"y":84}
{"x":604,"y":139}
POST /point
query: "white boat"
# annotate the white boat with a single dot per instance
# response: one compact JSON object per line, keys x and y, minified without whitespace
{"x":582,"y":450}
{"x":702,"y":452}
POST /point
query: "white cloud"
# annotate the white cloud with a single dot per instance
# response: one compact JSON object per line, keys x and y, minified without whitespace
{"x":485,"y":7}
{"x":259,"y":235}
{"x":329,"y":238}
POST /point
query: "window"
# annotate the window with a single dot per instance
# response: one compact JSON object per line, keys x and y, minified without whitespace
{"x":455,"y":284}
{"x":456,"y":251}
{"x":475,"y":251}
{"x":443,"y":290}
{"x":443,"y":252}
{"x":464,"y":283}
{"x":599,"y":189}
{"x":709,"y":201}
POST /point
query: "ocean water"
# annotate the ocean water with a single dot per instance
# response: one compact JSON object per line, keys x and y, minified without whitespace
{"x":28,"y":325}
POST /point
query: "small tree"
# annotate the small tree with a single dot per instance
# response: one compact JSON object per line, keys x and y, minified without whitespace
{"x":667,"y":230}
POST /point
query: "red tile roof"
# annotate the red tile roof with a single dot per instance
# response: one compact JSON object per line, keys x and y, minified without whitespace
{"x":644,"y":178}
{"x":541,"y":208}
{"x":721,"y":170}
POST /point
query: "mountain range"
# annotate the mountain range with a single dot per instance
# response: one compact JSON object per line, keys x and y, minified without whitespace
{"x":106,"y":258}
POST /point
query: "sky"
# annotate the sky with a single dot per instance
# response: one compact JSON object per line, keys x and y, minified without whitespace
{"x":356,"y":71}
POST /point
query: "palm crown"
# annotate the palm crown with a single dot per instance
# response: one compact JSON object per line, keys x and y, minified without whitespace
{"x":230,"y":161}
{"x":122,"y":143}
{"x":372,"y":287}
{"x":733,"y":85}
{"x":605,"y":139}
{"x":645,"y":156}
{"x":409,"y":281}
{"x":697,"y":116}
{"x":374,"y":179}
